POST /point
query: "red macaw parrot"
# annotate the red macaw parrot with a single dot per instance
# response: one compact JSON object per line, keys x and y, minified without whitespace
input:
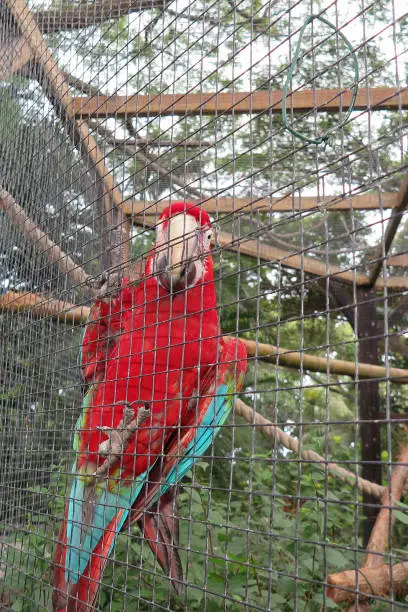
{"x":163,"y":384}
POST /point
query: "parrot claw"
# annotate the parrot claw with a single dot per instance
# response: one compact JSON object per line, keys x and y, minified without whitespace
{"x":119,"y":437}
{"x":106,"y":284}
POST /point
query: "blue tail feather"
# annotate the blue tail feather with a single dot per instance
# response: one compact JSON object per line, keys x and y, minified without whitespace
{"x":82,"y":539}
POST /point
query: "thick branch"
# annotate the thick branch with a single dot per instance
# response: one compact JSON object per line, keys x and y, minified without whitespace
{"x":375,"y":578}
{"x":294,"y":359}
{"x":380,"y":534}
{"x":369,"y":581}
{"x":43,"y":306}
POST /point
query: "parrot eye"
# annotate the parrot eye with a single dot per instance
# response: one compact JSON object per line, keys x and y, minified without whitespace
{"x":208,"y":233}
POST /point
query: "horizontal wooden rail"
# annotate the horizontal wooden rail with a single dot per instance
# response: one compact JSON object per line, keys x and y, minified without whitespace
{"x":400,"y":259}
{"x":291,"y":204}
{"x":386,"y":98}
{"x":313,"y":363}
{"x":298,"y":261}
{"x":41,"y":305}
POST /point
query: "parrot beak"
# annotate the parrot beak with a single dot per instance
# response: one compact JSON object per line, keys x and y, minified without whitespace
{"x":175,"y":263}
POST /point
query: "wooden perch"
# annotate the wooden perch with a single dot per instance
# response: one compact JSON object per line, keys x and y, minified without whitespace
{"x":43,"y":306}
{"x":270,"y":430}
{"x":374,"y":578}
{"x":18,"y":302}
{"x":313,"y":363}
{"x":391,"y":98}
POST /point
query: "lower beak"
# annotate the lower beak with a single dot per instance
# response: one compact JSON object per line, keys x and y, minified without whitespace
{"x":176,"y":279}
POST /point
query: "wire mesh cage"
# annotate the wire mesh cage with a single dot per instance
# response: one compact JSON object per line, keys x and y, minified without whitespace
{"x":207,"y":203}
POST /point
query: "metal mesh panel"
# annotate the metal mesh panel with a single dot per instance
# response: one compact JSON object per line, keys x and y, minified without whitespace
{"x":110,"y":112}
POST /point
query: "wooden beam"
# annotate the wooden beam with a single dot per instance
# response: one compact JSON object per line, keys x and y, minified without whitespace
{"x":44,"y":306}
{"x":374,"y":98}
{"x":289,"y":203}
{"x":298,"y":261}
{"x":41,"y":305}
{"x":83,"y":15}
{"x":313,"y":363}
{"x":400,"y":259}
{"x":58,"y":91}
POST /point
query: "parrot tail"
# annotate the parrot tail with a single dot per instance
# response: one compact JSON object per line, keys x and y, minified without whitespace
{"x":160,"y":529}
{"x":79,"y":597}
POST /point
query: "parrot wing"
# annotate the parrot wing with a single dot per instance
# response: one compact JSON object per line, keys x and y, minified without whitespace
{"x":105,"y":322}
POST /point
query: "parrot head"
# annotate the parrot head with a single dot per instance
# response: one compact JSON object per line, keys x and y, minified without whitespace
{"x":183,"y":245}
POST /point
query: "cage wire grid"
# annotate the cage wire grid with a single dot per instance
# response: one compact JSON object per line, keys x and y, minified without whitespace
{"x":109,"y":112}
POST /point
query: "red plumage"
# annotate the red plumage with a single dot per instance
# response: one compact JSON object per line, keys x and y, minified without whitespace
{"x":148,"y":346}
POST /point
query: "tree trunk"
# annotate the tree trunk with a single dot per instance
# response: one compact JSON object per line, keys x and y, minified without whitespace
{"x":369,"y":403}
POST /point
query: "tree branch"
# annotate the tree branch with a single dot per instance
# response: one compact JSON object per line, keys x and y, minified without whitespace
{"x":268,"y":429}
{"x":40,"y":240}
{"x":294,"y":359}
{"x":375,"y":578}
{"x":369,"y":581}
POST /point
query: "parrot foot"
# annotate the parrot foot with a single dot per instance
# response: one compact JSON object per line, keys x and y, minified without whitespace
{"x":106,"y":284}
{"x":119,"y":437}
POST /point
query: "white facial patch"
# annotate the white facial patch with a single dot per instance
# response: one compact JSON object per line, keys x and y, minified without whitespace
{"x":182,"y":237}
{"x":181,"y":246}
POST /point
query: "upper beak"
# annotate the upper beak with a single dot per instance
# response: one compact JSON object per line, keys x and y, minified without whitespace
{"x":175,"y":262}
